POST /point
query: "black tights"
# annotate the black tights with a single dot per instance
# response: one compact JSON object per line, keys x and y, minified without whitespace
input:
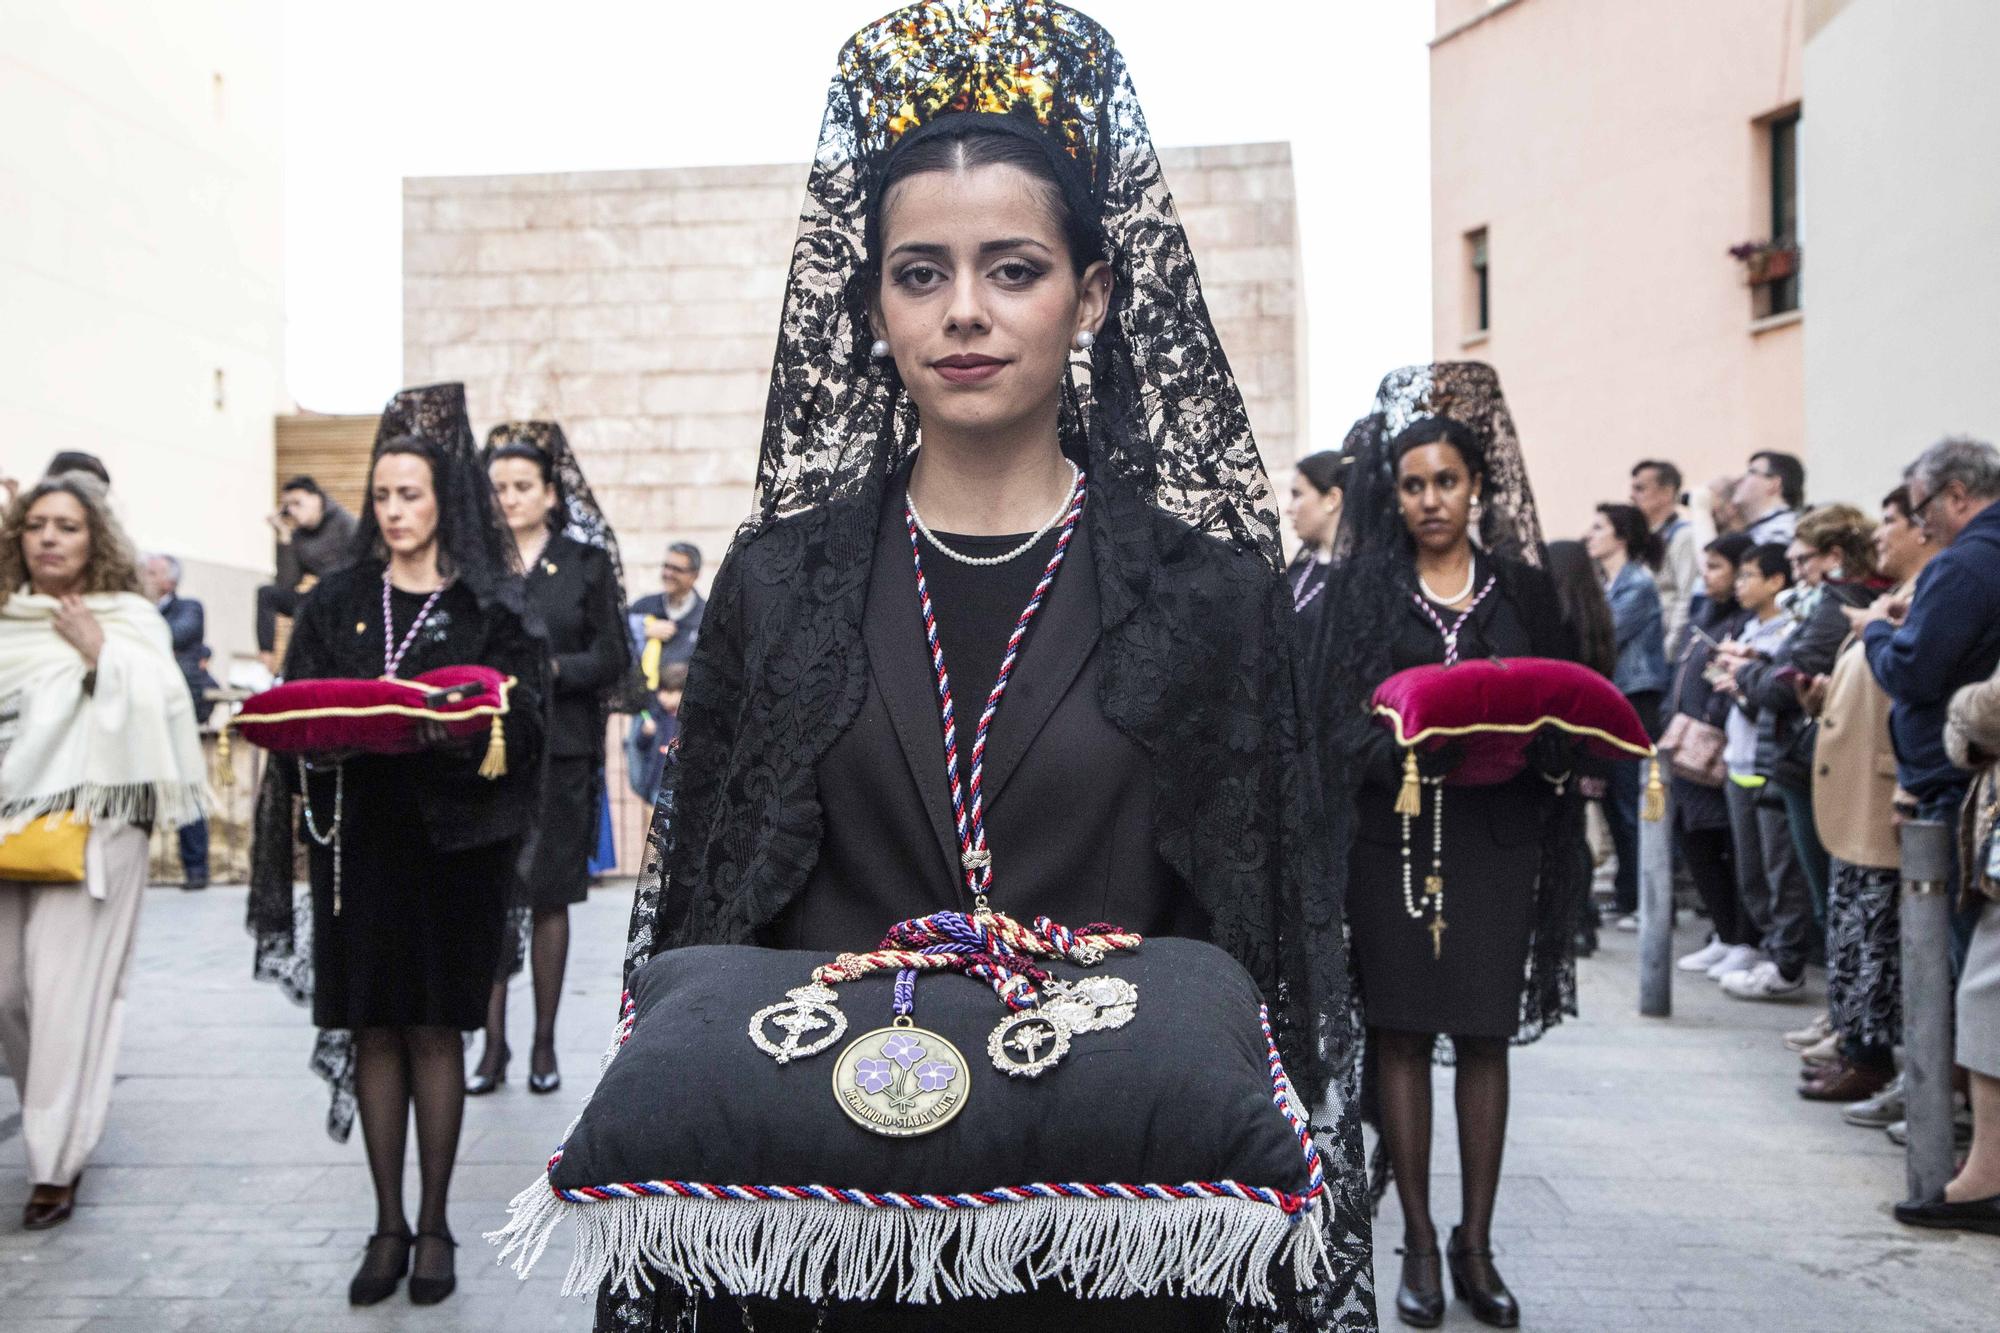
{"x":1480,"y":1095}
{"x":396,"y":1068}
{"x":548,"y":954}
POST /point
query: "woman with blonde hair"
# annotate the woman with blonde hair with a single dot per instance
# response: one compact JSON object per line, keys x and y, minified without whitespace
{"x":97,"y":725}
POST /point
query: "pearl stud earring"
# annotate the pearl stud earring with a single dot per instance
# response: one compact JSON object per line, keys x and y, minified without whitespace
{"x":1085,"y":340}
{"x":880,"y":349}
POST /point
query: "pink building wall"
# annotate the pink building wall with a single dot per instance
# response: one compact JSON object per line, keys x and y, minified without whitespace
{"x":1614,"y":152}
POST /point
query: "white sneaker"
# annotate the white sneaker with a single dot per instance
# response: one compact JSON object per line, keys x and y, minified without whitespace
{"x":1629,"y":923}
{"x":1702,"y":959}
{"x":1740,"y":958}
{"x":1762,"y":982}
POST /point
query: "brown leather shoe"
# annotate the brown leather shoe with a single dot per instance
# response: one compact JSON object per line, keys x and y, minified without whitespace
{"x":49,"y":1206}
{"x":1846,"y":1083}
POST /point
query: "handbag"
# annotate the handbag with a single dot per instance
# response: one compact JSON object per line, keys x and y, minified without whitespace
{"x":49,"y":850}
{"x":1694,"y":750}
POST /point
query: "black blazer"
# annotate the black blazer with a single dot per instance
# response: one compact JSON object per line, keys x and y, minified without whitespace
{"x":1068,"y":797}
{"x":1519,"y":618}
{"x":572,"y":591}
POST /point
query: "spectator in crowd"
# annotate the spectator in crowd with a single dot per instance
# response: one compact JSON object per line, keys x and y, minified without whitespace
{"x":1769,"y":495}
{"x":314,"y":532}
{"x":1715,"y":511}
{"x":1656,"y":493}
{"x":187,"y":624}
{"x":1772,"y":887}
{"x":1971,"y":1200}
{"x":1700,"y":812}
{"x":666,"y":624}
{"x":1625,"y":549}
{"x":1853,"y":797}
{"x":75,"y":460}
{"x":653,"y":732}
{"x":100,"y":730}
{"x":1833,"y":568}
{"x":1319,"y":481}
{"x":1946,"y":635}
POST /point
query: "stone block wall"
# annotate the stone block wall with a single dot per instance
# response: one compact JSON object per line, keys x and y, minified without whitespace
{"x":640,"y":309}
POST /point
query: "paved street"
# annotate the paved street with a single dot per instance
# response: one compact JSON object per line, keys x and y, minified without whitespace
{"x":1661,"y":1175}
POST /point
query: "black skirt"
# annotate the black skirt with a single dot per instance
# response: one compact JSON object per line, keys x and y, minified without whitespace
{"x":418,"y":934}
{"x":1472,"y":986}
{"x":557,"y":864}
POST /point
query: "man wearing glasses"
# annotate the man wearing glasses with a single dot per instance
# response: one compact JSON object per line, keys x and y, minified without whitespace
{"x":1769,"y":496}
{"x":666,"y":624}
{"x":1948,"y":636}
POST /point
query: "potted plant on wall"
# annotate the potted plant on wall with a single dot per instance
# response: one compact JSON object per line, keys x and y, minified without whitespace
{"x":1766,"y":261}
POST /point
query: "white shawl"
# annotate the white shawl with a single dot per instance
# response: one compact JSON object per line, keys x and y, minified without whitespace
{"x":123,"y":752}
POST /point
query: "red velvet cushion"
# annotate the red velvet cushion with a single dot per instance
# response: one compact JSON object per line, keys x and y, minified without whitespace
{"x":1494,"y":707}
{"x":374,"y":716}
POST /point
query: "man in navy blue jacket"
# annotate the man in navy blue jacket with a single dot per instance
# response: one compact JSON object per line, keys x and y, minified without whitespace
{"x":1949,"y":633}
{"x":187,"y":623}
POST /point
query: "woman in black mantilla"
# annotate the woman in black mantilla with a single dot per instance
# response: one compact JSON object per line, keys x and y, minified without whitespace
{"x":397,"y":943}
{"x":1319,"y":487}
{"x":955,"y":269}
{"x":575,"y":585}
{"x":1441,"y":559}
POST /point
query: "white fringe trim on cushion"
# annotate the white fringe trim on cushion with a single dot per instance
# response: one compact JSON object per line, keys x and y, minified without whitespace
{"x":811,"y":1250}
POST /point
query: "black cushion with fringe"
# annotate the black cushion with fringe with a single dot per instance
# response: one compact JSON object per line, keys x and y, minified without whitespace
{"x":1181,"y":1094}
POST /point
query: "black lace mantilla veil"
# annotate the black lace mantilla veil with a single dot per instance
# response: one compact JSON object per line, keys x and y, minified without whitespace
{"x":1196,"y":620}
{"x":480,"y":556}
{"x":1371,"y":581}
{"x":582,"y":517}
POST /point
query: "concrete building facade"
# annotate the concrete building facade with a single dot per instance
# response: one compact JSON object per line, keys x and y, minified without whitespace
{"x":141,"y":223}
{"x":1591,"y":167}
{"x":1896,"y":174}
{"x":640,"y":308}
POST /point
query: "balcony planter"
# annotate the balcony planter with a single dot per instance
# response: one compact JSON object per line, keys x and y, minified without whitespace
{"x":1766,"y":261}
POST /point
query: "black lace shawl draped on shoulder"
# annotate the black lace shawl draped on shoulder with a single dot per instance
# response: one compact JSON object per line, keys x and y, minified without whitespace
{"x":1375,"y":573}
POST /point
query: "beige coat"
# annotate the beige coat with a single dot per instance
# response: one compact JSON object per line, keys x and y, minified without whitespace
{"x":1972,"y":739}
{"x":1854,"y":766}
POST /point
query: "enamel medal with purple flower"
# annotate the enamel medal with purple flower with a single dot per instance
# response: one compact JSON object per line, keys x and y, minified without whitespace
{"x":901,"y":1081}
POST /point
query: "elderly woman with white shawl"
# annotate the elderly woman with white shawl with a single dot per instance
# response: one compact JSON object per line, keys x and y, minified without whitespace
{"x":100,"y":744}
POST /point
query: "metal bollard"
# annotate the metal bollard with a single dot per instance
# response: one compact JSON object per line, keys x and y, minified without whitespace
{"x":1656,"y":913}
{"x":1929,"y":851}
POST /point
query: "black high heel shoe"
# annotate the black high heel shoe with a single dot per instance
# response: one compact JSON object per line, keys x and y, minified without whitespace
{"x":544,"y":1082}
{"x":431,"y":1290}
{"x":1420,"y":1297}
{"x":478,"y":1084}
{"x":1476,"y":1281}
{"x":378,"y":1281}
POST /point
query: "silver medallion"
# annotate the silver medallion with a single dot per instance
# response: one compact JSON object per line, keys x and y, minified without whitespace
{"x":807,"y":1009}
{"x":1027,"y":1044}
{"x":1091,"y":1004}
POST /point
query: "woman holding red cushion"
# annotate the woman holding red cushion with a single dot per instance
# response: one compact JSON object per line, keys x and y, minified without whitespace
{"x":409,"y":854}
{"x":1461,"y":924}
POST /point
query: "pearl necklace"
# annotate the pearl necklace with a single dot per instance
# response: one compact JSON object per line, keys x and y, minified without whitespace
{"x":1062,"y":511}
{"x":1463,"y":593}
{"x":1433,"y":882}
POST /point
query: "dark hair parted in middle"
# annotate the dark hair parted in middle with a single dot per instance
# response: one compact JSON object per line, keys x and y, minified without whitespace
{"x":1439,"y":430}
{"x":521,"y":449}
{"x":969,"y":141}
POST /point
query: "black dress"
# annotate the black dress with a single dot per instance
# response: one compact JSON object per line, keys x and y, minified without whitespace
{"x":1492,"y":847}
{"x":426,"y":846}
{"x":573,"y":592}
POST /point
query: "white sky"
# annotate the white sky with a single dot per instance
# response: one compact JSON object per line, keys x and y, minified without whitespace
{"x":376,"y":91}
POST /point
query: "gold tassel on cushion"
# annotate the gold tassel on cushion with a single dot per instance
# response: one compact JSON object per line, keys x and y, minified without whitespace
{"x":1410,"y":800}
{"x":494,"y":765}
{"x":1654,"y":808}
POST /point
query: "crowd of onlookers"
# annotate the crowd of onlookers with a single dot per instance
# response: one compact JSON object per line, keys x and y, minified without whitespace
{"x":1816,"y":675}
